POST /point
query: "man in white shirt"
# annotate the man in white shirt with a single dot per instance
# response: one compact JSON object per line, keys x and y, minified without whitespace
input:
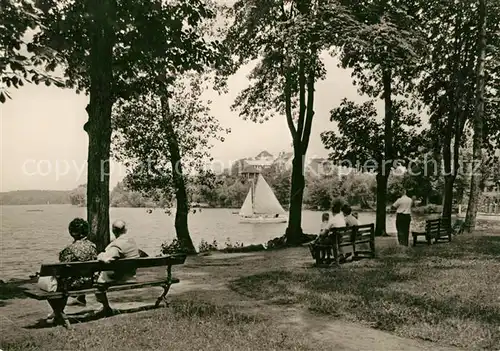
{"x":403,"y":207}
{"x":122,"y":247}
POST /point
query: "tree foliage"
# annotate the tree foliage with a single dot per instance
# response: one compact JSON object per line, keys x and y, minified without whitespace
{"x":118,"y":49}
{"x":140,"y":140}
{"x":20,"y":60}
{"x":286,"y":38}
{"x":146,"y":35}
{"x":359,"y":141}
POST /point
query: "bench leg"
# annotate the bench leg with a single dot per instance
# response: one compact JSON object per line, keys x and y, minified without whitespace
{"x":336,"y":254}
{"x":414,"y":240}
{"x":317,"y":255}
{"x":60,"y":317}
{"x":163,"y":296}
{"x":372,"y":248}
{"x":313,"y":253}
{"x":429,"y":239}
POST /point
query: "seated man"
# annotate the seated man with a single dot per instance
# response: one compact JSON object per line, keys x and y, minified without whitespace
{"x":122,"y":247}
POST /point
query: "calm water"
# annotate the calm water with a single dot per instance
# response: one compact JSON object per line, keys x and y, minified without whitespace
{"x":29,"y":238}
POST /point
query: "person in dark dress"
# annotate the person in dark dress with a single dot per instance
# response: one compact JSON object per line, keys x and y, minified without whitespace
{"x":80,"y":250}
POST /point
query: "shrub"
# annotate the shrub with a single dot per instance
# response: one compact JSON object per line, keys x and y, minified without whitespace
{"x":207,"y":247}
{"x":230,"y":245}
{"x":428,"y":209}
{"x":173,"y":248}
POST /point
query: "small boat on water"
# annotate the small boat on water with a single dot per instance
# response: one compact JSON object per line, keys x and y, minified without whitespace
{"x":261,"y":205}
{"x":34,"y":210}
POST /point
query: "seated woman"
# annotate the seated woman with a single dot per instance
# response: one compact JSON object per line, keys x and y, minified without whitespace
{"x":350,"y":219}
{"x":81,"y":250}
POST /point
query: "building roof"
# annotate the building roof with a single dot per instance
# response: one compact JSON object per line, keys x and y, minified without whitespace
{"x":250,"y":169}
{"x":264,"y":154}
{"x":259,"y":162}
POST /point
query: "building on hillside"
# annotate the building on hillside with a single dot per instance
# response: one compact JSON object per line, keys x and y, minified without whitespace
{"x":314,"y":166}
{"x":263,"y":160}
{"x":318,"y":167}
{"x":264,"y":155}
{"x":250,"y":172}
{"x":284,"y":161}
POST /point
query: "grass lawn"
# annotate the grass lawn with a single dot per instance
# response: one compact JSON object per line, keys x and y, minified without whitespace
{"x":424,"y":298}
{"x":187,"y":325}
{"x":446,"y":293}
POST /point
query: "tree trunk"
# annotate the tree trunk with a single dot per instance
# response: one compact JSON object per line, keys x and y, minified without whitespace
{"x":387,"y":162}
{"x":470,"y":219}
{"x":449,"y":180}
{"x":182,"y":212}
{"x":98,"y":126}
{"x":300,"y":136}
{"x":381,"y":213}
{"x":294,"y":230}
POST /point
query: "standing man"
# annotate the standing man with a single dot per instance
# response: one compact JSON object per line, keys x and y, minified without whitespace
{"x":403,"y":207}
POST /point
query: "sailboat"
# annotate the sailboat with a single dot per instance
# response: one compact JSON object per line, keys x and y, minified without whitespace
{"x":261,"y":205}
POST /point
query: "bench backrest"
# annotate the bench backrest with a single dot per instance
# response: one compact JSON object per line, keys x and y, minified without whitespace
{"x":78,"y":269}
{"x":343,"y":234}
{"x":348,"y":235}
{"x":365,"y":231}
{"x":432,"y":225}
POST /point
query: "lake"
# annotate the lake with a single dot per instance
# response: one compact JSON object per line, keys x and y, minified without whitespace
{"x":30,"y":237}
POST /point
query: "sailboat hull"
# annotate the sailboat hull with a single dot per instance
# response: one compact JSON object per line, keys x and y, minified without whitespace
{"x":263,"y":220}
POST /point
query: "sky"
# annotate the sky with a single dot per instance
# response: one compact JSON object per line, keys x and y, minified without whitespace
{"x":44,"y":146}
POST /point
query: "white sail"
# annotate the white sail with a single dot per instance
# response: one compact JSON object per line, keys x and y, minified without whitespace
{"x":247,"y":208}
{"x":265,"y":202}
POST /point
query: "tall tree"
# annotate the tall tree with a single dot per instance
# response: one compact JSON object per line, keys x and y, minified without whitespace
{"x":447,"y":82}
{"x":104,"y":46}
{"x":382,"y":56}
{"x":470,"y":219}
{"x":360,"y":141}
{"x":287,"y":38}
{"x":160,"y":151}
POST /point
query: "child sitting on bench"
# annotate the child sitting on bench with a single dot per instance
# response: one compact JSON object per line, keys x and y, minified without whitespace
{"x":322,"y":237}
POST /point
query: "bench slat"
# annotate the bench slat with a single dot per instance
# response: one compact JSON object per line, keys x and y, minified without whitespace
{"x":73,"y":269}
{"x":346,"y":236}
{"x":32,"y":290}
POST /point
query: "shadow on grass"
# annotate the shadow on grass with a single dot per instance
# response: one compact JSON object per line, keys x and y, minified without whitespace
{"x":441,"y":288}
{"x":181,"y":307}
{"x":88,"y":316}
{"x":12,"y":290}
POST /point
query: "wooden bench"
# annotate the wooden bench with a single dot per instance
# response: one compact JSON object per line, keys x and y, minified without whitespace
{"x":345,"y":237}
{"x":82,"y":269}
{"x":438,"y":229}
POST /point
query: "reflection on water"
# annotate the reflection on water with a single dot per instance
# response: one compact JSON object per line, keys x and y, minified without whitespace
{"x":29,"y":237}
